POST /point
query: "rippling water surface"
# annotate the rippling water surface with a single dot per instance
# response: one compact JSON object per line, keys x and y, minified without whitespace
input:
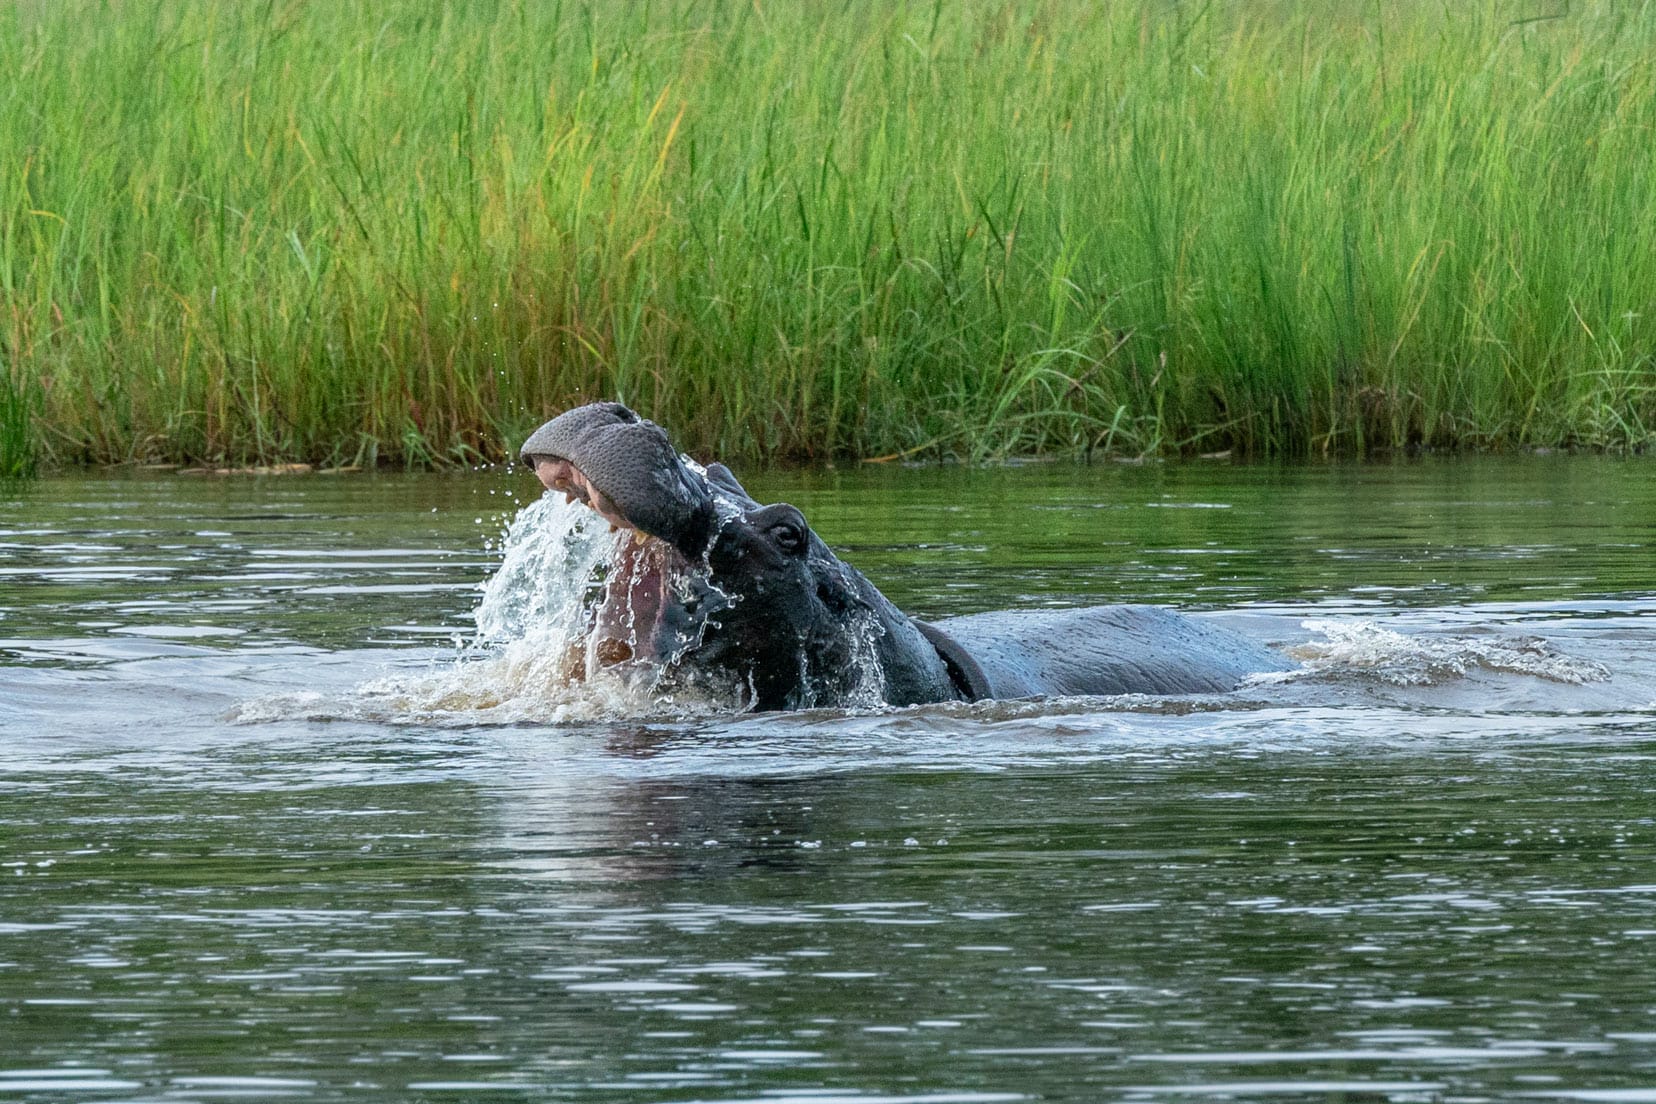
{"x":273,"y":825}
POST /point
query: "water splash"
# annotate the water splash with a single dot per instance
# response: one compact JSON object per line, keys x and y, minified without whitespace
{"x":580,"y":623}
{"x":535,"y":657}
{"x":550,"y":570}
{"x":867,"y":691}
{"x":1409,"y":660}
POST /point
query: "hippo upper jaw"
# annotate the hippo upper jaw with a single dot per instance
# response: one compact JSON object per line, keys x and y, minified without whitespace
{"x":626,"y":469}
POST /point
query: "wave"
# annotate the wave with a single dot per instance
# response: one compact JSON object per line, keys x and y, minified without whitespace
{"x":1370,"y":650}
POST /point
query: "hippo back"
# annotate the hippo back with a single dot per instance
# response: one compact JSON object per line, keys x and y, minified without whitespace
{"x":1106,"y":650}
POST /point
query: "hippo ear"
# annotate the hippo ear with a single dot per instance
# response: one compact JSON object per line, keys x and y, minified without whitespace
{"x":721,"y":477}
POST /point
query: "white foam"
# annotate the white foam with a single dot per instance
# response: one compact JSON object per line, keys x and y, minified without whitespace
{"x":1420,"y":660}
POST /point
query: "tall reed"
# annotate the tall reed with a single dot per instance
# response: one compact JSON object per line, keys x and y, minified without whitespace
{"x":351,"y":231}
{"x":18,"y":458}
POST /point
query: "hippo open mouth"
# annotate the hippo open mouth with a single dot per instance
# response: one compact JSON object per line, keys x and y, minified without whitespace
{"x":625,"y":469}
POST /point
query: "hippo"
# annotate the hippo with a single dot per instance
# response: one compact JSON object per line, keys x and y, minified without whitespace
{"x":717,"y":587}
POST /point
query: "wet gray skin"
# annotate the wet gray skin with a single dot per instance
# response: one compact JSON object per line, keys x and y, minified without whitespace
{"x":756,"y":599}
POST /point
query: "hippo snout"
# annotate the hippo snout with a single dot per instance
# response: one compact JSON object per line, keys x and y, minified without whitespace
{"x":626,"y":467}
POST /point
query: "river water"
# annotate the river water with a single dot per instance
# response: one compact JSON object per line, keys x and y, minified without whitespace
{"x":275,"y":825}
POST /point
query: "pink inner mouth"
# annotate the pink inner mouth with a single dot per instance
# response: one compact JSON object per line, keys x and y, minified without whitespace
{"x":560,"y":475}
{"x":635,"y":598}
{"x":627,"y":619}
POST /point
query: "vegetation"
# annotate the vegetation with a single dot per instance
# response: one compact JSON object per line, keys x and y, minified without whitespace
{"x":356,"y":232}
{"x":17,"y":453}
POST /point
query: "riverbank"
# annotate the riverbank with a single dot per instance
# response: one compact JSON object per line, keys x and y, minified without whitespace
{"x":348,"y":235}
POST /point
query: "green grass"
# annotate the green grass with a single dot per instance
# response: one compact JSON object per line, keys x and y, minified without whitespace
{"x":356,"y":232}
{"x":17,"y":447}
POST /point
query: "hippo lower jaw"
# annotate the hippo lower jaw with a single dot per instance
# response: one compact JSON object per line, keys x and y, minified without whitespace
{"x":632,"y":618}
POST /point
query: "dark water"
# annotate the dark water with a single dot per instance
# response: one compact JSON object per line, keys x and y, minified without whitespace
{"x":1424,"y":871}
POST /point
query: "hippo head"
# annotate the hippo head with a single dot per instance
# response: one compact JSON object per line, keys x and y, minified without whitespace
{"x":714,"y":585}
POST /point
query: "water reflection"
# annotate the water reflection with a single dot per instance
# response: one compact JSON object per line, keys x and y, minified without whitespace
{"x":1137,"y":931}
